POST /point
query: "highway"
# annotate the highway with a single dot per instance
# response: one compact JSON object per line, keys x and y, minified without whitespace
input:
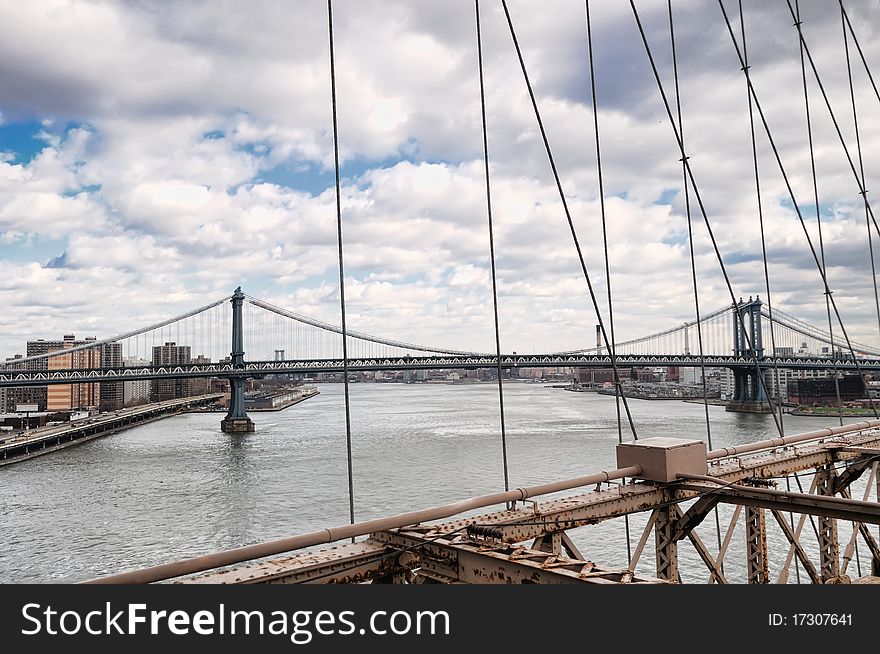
{"x":34,"y":442}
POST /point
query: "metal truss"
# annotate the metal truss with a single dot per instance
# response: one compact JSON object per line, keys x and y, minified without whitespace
{"x":488,"y":548}
{"x":21,"y":377}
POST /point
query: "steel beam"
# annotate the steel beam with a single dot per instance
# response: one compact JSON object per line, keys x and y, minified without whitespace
{"x":726,"y":543}
{"x":666,"y":547}
{"x":352,"y":563}
{"x":495,"y":532}
{"x":713,"y":565}
{"x":855,"y":469}
{"x":634,"y":561}
{"x":463,"y":561}
{"x":524,"y":524}
{"x":766,"y":498}
{"x":757,"y":569}
{"x":570,"y":548}
{"x":863,"y":529}
{"x":857,"y":526}
{"x":792,"y":538}
{"x":829,"y":555}
{"x":551,"y":543}
{"x":695,"y":515}
{"x":783,"y":574}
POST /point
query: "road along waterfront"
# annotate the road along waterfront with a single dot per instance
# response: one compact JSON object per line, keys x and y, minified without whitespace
{"x":43,"y":440}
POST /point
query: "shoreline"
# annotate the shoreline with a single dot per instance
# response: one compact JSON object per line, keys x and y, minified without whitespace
{"x":301,"y":398}
{"x":45,"y":440}
{"x":833,"y":413}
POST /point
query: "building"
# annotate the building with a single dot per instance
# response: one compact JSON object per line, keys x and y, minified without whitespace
{"x":63,"y":397}
{"x":7,"y":395}
{"x":170,"y":354}
{"x":112,"y":393}
{"x":30,"y":394}
{"x":59,"y":397}
{"x":824,"y":391}
{"x":690,"y":376}
{"x":202,"y":385}
{"x":774,"y":388}
{"x":137,"y":391}
{"x":595,"y":376}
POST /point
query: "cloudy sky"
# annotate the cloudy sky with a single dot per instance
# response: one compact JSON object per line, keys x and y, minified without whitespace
{"x":155,"y":155}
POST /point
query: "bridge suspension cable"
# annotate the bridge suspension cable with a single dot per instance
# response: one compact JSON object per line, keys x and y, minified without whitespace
{"x":115,"y":339}
{"x":351,"y":334}
{"x":491,"y":246}
{"x":341,"y":266}
{"x":864,"y":190}
{"x":816,"y":202}
{"x":859,"y":48}
{"x":612,"y":351}
{"x":739,"y":316}
{"x":688,"y":217}
{"x":760,"y":205}
{"x":562,"y":198}
{"x":784,"y":174}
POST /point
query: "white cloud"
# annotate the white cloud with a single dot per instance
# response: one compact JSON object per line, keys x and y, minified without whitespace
{"x":159,"y":122}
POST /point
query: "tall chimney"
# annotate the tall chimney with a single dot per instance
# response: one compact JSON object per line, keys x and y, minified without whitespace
{"x":599,"y":338}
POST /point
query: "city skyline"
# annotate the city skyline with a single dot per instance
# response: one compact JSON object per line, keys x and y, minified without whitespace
{"x":161,"y":169}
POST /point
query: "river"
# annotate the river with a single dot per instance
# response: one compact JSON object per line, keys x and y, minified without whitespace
{"x":180,"y":487}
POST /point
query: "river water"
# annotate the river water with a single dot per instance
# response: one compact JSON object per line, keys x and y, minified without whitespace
{"x":180,"y":487}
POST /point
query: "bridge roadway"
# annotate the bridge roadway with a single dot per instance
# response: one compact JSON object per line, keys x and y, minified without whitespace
{"x":16,"y":377}
{"x":35,"y":442}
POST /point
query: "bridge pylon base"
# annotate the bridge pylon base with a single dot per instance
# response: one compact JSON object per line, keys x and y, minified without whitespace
{"x":237,"y":425}
{"x":749,"y":407}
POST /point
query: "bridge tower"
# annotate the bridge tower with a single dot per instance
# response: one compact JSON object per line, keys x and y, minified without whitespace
{"x":237,"y":420}
{"x":748,"y":391}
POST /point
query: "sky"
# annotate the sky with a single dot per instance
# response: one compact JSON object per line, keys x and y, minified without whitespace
{"x":154,"y":156}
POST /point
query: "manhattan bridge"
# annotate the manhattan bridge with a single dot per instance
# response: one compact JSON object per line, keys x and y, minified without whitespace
{"x":678,"y":483}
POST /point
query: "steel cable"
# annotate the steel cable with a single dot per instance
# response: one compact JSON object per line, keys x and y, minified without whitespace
{"x":341,"y":264}
{"x":789,"y":188}
{"x":698,"y":197}
{"x":619,"y":389}
{"x":852,"y":95}
{"x":491,"y":246}
{"x":859,"y":48}
{"x":687,"y":203}
{"x":564,"y":202}
{"x":761,"y":216}
{"x":818,"y":214}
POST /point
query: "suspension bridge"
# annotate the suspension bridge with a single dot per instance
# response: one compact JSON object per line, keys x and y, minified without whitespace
{"x":679,"y":483}
{"x":251,"y":325}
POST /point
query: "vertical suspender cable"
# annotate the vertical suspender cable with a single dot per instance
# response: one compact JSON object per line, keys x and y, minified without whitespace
{"x":758,"y":373}
{"x":568,"y":217}
{"x":864,"y":194}
{"x":786,"y":181}
{"x":619,"y":389}
{"x":818,"y":215}
{"x":602,"y":211}
{"x":742,"y":20}
{"x":687,"y":204}
{"x":864,"y":191}
{"x":859,"y":181}
{"x":859,"y":48}
{"x":491,"y":247}
{"x":842,"y":140}
{"x":341,"y":267}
